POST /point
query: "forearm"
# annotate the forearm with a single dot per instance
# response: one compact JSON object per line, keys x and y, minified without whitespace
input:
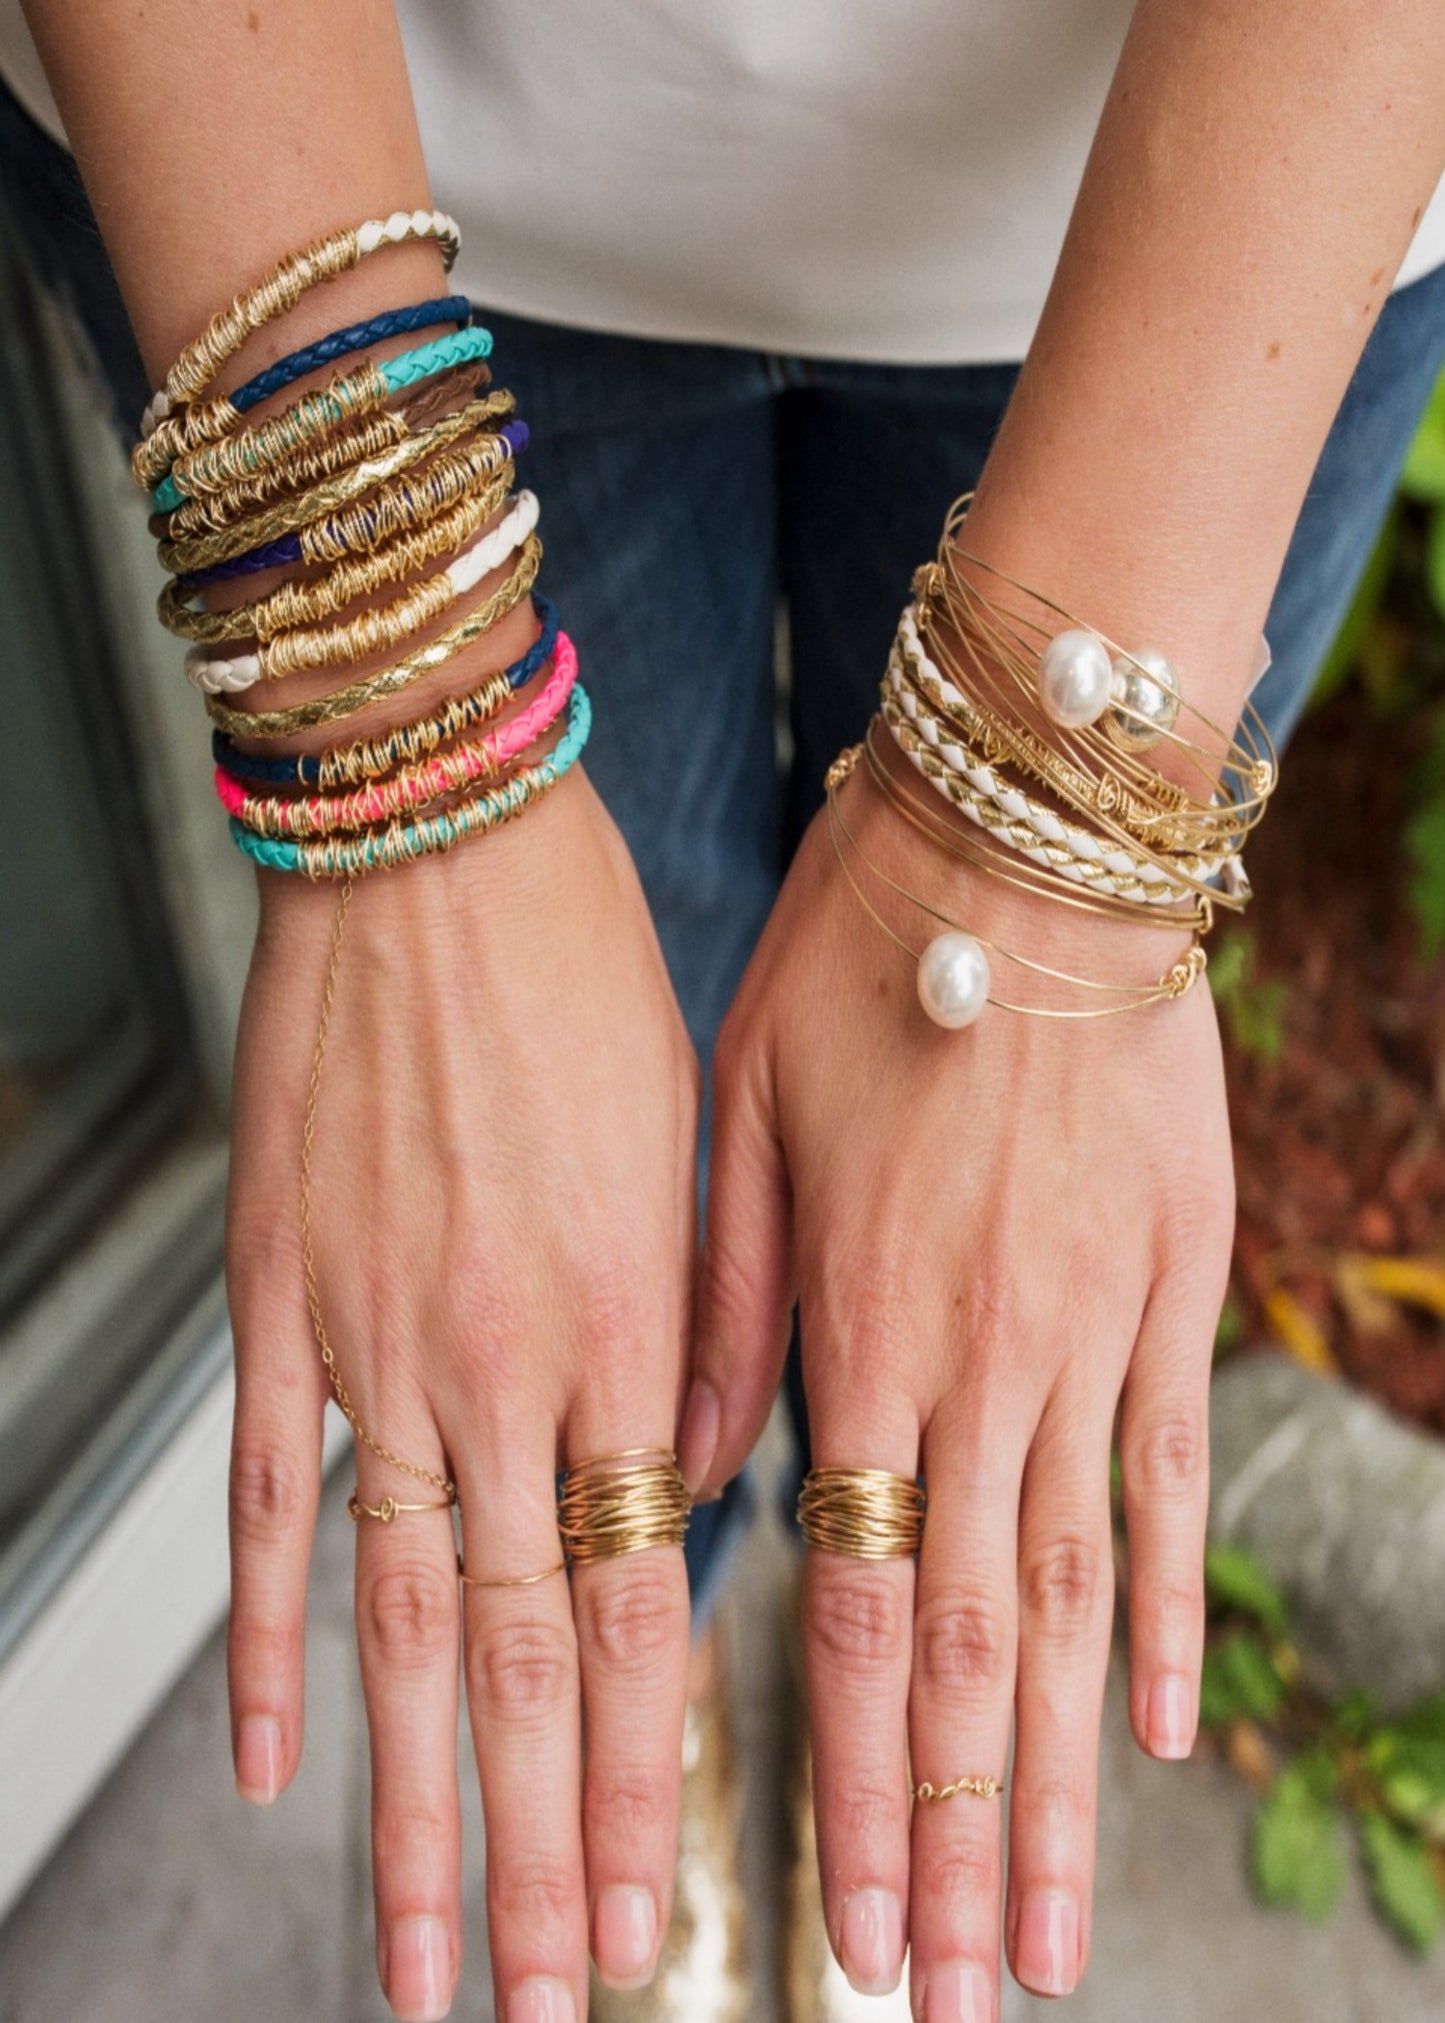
{"x":1255,"y":180}
{"x":212,"y":140}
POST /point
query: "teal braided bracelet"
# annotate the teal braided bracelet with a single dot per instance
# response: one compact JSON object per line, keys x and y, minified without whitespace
{"x":402,"y":844}
{"x":328,"y":406}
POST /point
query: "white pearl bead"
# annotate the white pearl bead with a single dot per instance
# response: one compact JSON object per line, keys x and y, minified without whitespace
{"x":1147,"y":684}
{"x":1074,"y":679}
{"x":953,"y":980}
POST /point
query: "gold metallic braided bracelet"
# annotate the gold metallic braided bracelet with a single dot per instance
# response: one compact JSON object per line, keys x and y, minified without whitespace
{"x":364,"y":436}
{"x":314,"y":599}
{"x":1007,"y":864}
{"x":862,"y":1513}
{"x":346,"y":702}
{"x":620,"y":1503}
{"x":166,"y":435}
{"x":953,"y":976}
{"x":453,"y":469}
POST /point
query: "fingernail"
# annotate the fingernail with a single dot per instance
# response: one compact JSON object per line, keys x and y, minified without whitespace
{"x":1048,"y":1943}
{"x":541,"y":2002}
{"x":1171,"y":1716}
{"x":624,"y":1935}
{"x":957,"y":1992}
{"x":870,"y":1941}
{"x":697,"y":1442}
{"x":419,"y":1969}
{"x":258,"y":1758}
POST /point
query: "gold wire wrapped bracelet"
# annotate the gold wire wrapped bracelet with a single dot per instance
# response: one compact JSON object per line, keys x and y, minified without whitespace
{"x":862,"y":1513}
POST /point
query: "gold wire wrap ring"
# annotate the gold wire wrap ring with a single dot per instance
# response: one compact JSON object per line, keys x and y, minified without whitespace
{"x":862,"y":1513}
{"x":388,"y":1510}
{"x":613,"y":1504}
{"x":962,"y":1787}
{"x":509,"y":1580}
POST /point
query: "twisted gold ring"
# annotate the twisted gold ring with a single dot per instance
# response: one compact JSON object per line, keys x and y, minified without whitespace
{"x":969,"y":1787}
{"x":862,"y":1513}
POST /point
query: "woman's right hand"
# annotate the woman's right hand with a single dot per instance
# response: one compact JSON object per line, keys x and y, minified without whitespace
{"x":503,"y":1201}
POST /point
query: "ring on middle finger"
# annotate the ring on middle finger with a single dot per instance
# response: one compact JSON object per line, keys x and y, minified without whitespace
{"x":619,"y":1503}
{"x":862,"y":1513}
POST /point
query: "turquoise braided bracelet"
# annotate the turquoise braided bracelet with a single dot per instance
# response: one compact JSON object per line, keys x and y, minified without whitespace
{"x":323,"y":408}
{"x":402,"y":844}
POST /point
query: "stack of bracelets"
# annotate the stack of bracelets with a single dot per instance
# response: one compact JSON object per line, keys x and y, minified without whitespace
{"x":395,"y":477}
{"x":1079,"y":815}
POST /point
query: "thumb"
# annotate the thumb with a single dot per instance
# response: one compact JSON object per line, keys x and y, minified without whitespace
{"x":745,"y":1284}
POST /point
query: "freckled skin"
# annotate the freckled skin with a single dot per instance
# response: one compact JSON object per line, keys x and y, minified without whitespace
{"x":1273,"y":351}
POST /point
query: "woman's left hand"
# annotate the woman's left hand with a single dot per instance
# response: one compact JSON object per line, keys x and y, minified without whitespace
{"x":992,"y":1234}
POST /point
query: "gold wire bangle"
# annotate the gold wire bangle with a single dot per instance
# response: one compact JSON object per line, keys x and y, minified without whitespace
{"x":472,"y":460}
{"x":367,"y":436}
{"x":281,"y":287}
{"x":248,"y":453}
{"x":324,"y":709}
{"x":509,"y":1580}
{"x":1176,"y":981}
{"x":388,"y":1510}
{"x":374,"y":758}
{"x":612,"y":1504}
{"x":1009,"y":869}
{"x":970,"y":1787}
{"x":314,"y":599}
{"x":862,"y":1513}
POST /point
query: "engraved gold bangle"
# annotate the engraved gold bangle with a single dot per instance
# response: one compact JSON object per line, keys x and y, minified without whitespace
{"x":862,"y":1513}
{"x":620,"y":1503}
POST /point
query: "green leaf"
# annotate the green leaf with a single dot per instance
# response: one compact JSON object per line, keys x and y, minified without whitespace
{"x":1355,"y":1714}
{"x":1239,"y":1680}
{"x":1410,"y":1770}
{"x":1425,"y":1721}
{"x":1298,"y":1853}
{"x":1234,"y":1579}
{"x":1402,"y":1880}
{"x":1423,"y":475}
{"x":1229,"y":963}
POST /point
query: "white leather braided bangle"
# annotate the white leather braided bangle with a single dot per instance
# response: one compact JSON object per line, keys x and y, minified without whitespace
{"x":232,"y":674}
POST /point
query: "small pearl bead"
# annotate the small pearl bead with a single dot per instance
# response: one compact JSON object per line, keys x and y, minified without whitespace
{"x":1151,"y":691}
{"x":1074,"y":674}
{"x":953,"y":980}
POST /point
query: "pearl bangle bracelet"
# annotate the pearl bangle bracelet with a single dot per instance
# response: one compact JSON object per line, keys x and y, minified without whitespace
{"x":249,"y":451}
{"x":411,"y":787}
{"x":370,"y":631}
{"x":280,"y":289}
{"x":954,"y":977}
{"x":400,"y":844}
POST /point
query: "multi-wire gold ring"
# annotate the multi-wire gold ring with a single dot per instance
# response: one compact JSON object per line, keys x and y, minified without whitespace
{"x":862,"y":1513}
{"x":618,"y":1503}
{"x":388,"y":1510}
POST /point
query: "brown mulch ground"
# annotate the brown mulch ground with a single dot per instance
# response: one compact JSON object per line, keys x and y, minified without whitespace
{"x":1340,"y":1140}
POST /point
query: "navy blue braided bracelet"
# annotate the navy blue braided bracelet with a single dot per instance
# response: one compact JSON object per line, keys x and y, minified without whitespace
{"x":305,"y":770}
{"x":277,"y":554}
{"x":355,"y":337}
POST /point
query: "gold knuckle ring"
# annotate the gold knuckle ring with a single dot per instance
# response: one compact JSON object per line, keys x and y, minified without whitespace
{"x":962,"y":1787}
{"x":508,"y":1580}
{"x":613,"y":1504}
{"x":862,"y":1513}
{"x":389,"y":1510}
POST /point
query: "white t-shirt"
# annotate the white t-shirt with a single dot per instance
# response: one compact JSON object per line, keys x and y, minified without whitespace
{"x":875,"y":179}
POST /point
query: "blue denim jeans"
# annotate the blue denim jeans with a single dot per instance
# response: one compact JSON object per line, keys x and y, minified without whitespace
{"x":691,"y":492}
